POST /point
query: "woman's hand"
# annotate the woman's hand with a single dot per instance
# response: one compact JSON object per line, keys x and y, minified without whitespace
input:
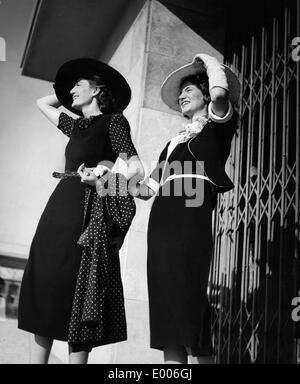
{"x":100,"y":187}
{"x":140,"y":191}
{"x":134,"y":189}
{"x":218,"y":83}
{"x":100,"y":170}
{"x":87,"y":175}
{"x":135,"y":168}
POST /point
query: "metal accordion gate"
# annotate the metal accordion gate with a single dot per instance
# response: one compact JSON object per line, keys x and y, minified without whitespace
{"x":255,"y":267}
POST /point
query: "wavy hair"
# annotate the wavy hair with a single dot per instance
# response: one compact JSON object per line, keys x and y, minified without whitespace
{"x":200,"y":80}
{"x":106,"y":100}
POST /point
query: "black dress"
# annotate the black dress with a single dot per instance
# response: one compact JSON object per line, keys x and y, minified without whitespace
{"x":50,"y":276}
{"x":180,"y":241}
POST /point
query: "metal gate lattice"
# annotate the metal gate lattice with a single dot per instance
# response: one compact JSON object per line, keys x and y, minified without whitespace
{"x":255,"y":268}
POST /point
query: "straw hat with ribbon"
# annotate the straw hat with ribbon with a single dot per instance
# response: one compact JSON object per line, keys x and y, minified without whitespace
{"x":170,"y":89}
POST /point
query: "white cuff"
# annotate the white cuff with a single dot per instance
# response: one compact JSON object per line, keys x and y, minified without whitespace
{"x":218,"y":119}
{"x":151,"y":183}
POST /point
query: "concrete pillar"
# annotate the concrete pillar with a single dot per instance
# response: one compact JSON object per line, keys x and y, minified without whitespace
{"x":157,"y":43}
{"x":2,"y":309}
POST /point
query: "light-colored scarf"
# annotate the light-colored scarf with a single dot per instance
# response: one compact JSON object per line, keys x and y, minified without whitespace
{"x":190,"y":130}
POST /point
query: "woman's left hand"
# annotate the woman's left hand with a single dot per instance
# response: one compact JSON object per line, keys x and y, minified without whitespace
{"x":87,"y":175}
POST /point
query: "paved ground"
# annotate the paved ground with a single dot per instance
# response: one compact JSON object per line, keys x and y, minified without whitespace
{"x":15,"y":344}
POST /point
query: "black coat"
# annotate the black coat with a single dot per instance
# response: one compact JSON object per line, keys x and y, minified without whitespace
{"x":212,"y":146}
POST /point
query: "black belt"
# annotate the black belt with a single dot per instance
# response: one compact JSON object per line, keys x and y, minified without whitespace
{"x":65,"y":175}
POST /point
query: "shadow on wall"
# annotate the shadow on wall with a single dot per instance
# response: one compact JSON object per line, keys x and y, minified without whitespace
{"x":206,"y":16}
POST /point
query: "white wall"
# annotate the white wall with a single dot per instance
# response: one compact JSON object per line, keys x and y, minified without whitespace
{"x":30,"y":147}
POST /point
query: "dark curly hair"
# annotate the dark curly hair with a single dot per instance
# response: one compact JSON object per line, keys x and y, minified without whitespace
{"x":106,"y":101}
{"x":200,"y":80}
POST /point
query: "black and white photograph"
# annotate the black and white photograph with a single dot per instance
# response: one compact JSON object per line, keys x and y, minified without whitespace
{"x":149,"y":200}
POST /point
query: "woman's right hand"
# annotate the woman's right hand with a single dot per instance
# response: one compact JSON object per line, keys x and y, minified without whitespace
{"x":87,"y":175}
{"x":140,"y":191}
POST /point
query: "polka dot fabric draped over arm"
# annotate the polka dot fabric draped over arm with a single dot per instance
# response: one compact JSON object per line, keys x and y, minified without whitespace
{"x":119,"y":133}
{"x":65,"y":124}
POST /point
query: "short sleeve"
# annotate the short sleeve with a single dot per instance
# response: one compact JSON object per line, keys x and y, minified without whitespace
{"x":65,"y":124}
{"x":119,"y":133}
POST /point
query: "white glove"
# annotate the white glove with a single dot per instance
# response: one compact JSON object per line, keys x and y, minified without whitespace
{"x":215,"y":71}
{"x":100,"y":170}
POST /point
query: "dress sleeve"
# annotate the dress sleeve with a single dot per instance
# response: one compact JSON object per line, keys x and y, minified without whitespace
{"x":119,"y":133}
{"x":65,"y":124}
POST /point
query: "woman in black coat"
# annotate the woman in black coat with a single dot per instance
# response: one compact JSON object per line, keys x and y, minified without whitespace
{"x":189,"y":175}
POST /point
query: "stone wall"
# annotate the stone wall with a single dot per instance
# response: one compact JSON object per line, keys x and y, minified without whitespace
{"x":157,"y":43}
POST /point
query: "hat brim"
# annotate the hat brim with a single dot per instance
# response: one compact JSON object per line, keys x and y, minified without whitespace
{"x":69,"y":73}
{"x":170,"y":89}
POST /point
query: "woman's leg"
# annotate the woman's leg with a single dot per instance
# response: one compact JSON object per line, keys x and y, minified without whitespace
{"x":78,"y":357}
{"x":199,"y":359}
{"x":175,"y":354}
{"x":40,"y":350}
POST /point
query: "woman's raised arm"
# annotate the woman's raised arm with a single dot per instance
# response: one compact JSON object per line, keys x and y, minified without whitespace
{"x":218,"y":85}
{"x":48,"y":105}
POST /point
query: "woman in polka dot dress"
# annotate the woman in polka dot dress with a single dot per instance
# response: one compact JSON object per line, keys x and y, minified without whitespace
{"x":72,"y":289}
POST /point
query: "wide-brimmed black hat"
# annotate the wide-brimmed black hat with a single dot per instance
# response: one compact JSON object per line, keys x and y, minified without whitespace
{"x":69,"y":73}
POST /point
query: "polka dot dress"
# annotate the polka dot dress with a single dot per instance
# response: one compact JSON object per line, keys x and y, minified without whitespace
{"x":72,"y":288}
{"x":66,"y":124}
{"x":98,"y":313}
{"x":119,"y":134}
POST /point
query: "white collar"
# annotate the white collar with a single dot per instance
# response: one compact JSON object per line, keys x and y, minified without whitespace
{"x":192,"y":129}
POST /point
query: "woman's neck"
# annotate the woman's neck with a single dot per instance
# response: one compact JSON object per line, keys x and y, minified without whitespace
{"x":200,"y":113}
{"x":91,"y":110}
